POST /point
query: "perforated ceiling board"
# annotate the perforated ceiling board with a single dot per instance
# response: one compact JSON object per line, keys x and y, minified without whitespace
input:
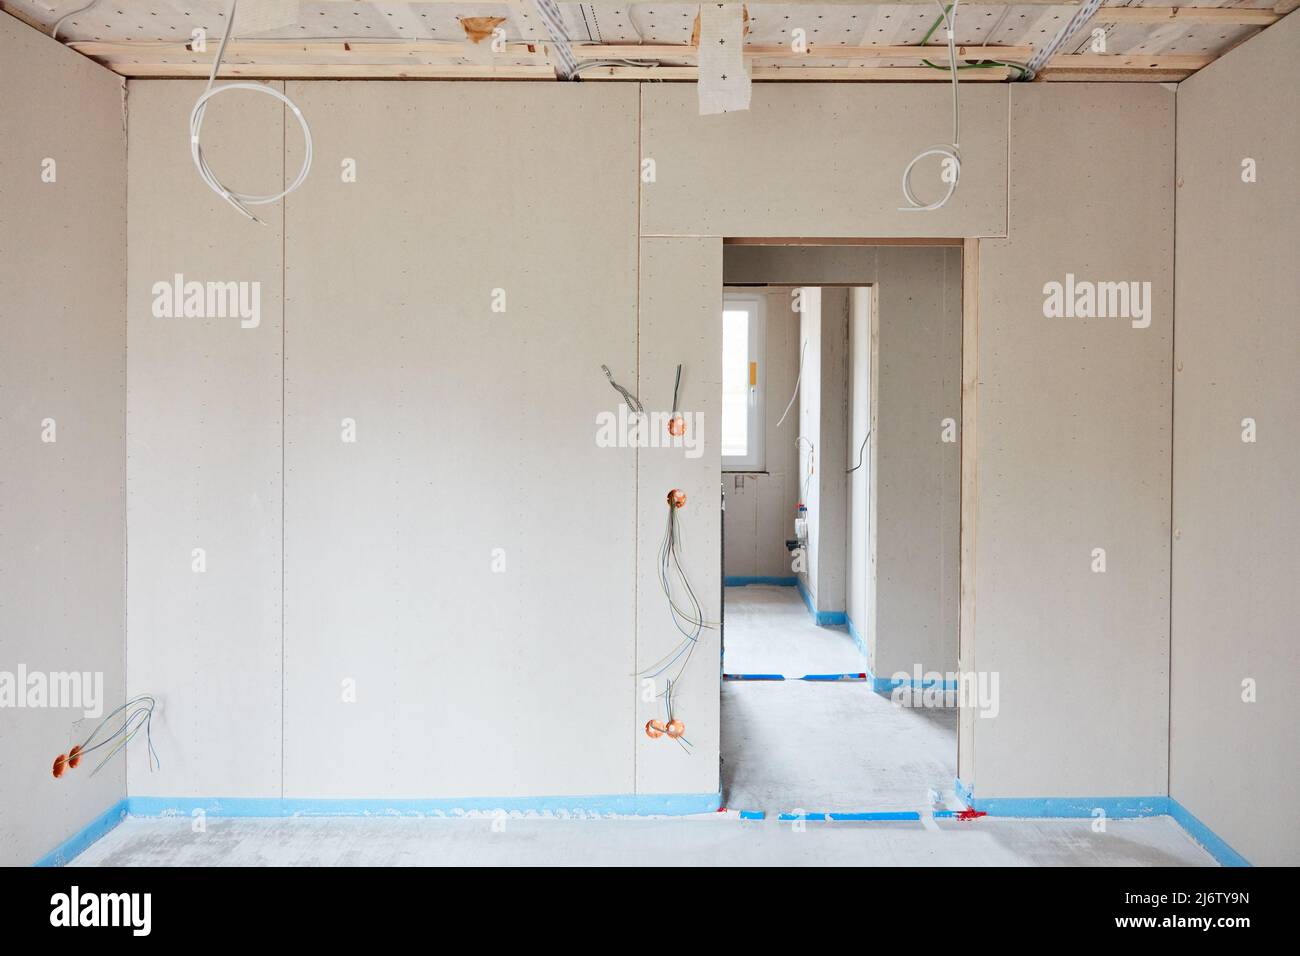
{"x":433,"y":22}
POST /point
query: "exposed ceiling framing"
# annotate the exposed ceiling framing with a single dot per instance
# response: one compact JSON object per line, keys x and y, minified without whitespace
{"x":847,"y":40}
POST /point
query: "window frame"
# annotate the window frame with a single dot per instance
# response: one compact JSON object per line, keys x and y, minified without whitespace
{"x":755,"y":460}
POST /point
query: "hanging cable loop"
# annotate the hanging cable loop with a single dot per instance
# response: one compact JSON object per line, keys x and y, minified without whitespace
{"x":950,"y":151}
{"x":241,"y":201}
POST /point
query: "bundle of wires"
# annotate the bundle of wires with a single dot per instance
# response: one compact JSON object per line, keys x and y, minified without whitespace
{"x":673,"y":727}
{"x":978,"y":64}
{"x":687,"y":614}
{"x":139,"y":715}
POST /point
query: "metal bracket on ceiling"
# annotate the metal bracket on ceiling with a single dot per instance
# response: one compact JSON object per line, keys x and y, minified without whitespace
{"x":566,"y":66}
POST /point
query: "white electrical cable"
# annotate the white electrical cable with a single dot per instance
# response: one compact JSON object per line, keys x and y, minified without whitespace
{"x":797,"y":380}
{"x":237,"y":199}
{"x":951,"y":150}
{"x":54,"y":33}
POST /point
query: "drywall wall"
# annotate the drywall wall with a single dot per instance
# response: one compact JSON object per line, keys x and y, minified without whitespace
{"x":62,"y":431}
{"x":821,"y":159}
{"x":205,"y":445}
{"x":1073,"y":454}
{"x":809,"y":439}
{"x":915,"y":477}
{"x":680,"y":310}
{"x":467,"y":566}
{"x":760,"y":505}
{"x":1236,"y":525}
{"x":823,"y":423}
{"x":860,"y":575}
{"x":832,"y":503}
{"x":450,"y":493}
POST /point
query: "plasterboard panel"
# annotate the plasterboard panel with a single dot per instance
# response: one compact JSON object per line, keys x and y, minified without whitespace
{"x":1074,"y":453}
{"x":680,"y":305}
{"x":775,"y":525}
{"x":813,"y":159}
{"x":475,"y":431}
{"x":861,"y":405}
{"x":1235,"y":603}
{"x":778,"y":493}
{"x":831,"y":475}
{"x":203,"y":438}
{"x":917,"y":496}
{"x":741,"y":552}
{"x":62,"y":502}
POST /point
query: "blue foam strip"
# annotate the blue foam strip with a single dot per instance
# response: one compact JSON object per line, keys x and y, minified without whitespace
{"x":84,"y":837}
{"x":742,"y":581}
{"x":1211,"y":841}
{"x":753,"y":677}
{"x":1116,"y":808}
{"x":753,"y":815}
{"x":858,"y":639}
{"x":807,"y":598}
{"x":834,"y":677}
{"x":640,"y":804}
{"x":884,"y":685}
{"x":853,"y":816}
{"x":821,"y":618}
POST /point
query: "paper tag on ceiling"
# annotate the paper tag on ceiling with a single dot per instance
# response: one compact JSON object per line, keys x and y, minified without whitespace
{"x":724,"y":82}
{"x":259,"y":16}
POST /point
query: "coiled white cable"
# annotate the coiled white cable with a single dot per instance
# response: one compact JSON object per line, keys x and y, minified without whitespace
{"x":237,"y":199}
{"x":951,"y":150}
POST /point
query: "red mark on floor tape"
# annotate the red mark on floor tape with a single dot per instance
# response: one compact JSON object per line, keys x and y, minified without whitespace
{"x":969,"y":814}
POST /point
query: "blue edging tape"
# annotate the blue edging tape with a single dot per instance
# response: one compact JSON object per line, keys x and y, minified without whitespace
{"x":742,"y":581}
{"x":885,"y":685}
{"x":641,"y":804}
{"x":822,"y":618}
{"x":848,"y":817}
{"x":861,"y":675}
{"x":1117,"y":808}
{"x":753,"y":815}
{"x":83,"y":838}
{"x":1215,"y":845}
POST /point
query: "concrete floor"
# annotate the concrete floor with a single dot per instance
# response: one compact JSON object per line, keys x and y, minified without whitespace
{"x":790,"y":745}
{"x":802,"y":745}
{"x":712,"y":841}
{"x":769,"y":631}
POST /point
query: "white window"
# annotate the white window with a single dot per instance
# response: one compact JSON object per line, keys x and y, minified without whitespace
{"x":742,"y":387}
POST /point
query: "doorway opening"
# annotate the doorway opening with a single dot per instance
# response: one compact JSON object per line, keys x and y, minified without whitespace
{"x":841,"y":496}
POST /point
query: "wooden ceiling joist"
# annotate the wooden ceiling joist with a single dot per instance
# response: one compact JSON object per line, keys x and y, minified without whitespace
{"x":125,"y":51}
{"x":1213,"y":16}
{"x":1062,"y":67}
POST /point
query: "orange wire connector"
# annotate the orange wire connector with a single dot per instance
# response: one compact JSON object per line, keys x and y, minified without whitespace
{"x":677,"y":498}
